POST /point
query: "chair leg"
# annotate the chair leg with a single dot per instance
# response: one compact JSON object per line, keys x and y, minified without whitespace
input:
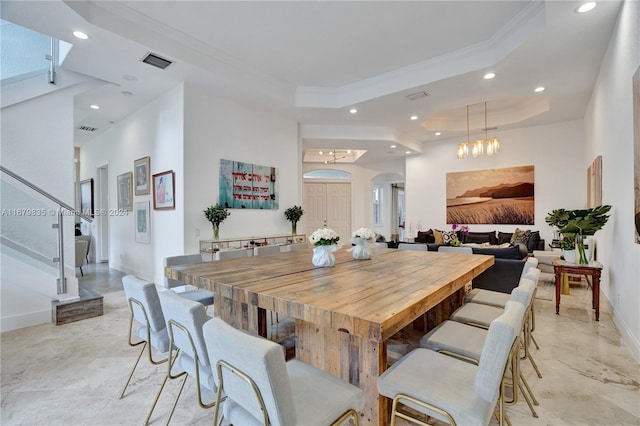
{"x":177,"y":398}
{"x":528,"y":400}
{"x":133,"y":369}
{"x":155,"y":401}
{"x":81,"y":273}
{"x":533,"y":323}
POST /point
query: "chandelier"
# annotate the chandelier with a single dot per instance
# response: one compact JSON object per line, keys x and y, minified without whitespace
{"x":478,"y":147}
{"x":335,"y":155}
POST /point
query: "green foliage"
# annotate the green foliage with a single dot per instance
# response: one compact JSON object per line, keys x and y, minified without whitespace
{"x":567,"y":243}
{"x":293,"y":214}
{"x":216,"y":214}
{"x":558,"y":218}
{"x":586,"y":221}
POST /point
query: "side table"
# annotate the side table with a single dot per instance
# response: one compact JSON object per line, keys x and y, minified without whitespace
{"x":593,"y":269}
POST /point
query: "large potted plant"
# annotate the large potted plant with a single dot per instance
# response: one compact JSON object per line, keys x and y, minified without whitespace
{"x":216,"y":215}
{"x":293,"y":215}
{"x":577,"y":224}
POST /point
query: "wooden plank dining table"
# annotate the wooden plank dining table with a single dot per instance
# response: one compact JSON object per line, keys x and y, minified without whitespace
{"x":344,"y":314}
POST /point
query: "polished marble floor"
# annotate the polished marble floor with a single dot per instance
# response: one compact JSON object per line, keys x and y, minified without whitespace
{"x":72,"y":374}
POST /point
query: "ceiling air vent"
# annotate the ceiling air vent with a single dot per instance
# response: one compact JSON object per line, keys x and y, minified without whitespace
{"x":156,"y":61}
{"x":88,"y":129}
{"x":417,"y":95}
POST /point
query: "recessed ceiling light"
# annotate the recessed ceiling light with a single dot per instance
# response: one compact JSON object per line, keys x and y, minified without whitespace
{"x":94,"y":106}
{"x":129,"y":77}
{"x":585,"y":7}
{"x":393,"y":146}
{"x":539,"y":89}
{"x":348,"y":151}
{"x":353,"y":110}
{"x":489,"y":76}
{"x":407,"y":152}
{"x":80,"y":35}
{"x":437,"y":133}
{"x":414,"y":117}
{"x":321,"y":152}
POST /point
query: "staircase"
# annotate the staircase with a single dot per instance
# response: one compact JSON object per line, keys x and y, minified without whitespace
{"x":89,"y":305}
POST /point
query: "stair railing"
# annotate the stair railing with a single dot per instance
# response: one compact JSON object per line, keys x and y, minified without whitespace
{"x":61,"y":212}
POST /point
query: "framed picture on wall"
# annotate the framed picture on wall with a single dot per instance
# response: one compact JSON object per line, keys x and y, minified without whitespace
{"x":142,"y":222}
{"x":125,"y":191}
{"x":164,"y":191}
{"x":141,"y":169}
{"x":86,"y":197}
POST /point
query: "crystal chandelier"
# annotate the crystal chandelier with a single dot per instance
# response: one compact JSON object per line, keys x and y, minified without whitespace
{"x":477,"y":148}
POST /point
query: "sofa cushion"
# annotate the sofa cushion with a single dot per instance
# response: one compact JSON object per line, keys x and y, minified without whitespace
{"x":504,"y":237}
{"x":520,"y":236}
{"x":425,"y":237}
{"x":512,"y":252}
{"x":438,"y":237}
{"x":533,"y":241}
{"x":481,"y":237}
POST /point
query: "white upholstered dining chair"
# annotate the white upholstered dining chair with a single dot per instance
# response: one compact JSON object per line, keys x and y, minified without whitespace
{"x":452,"y":390}
{"x":417,"y":247}
{"x":188,"y":352}
{"x":262,"y":389}
{"x":150,"y":330}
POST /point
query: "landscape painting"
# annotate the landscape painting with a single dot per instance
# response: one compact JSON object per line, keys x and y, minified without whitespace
{"x":494,"y":196}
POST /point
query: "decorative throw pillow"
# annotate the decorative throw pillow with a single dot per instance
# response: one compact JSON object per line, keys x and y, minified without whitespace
{"x":520,"y":236}
{"x":425,"y":237}
{"x":449,"y":236}
{"x":534,"y":240}
{"x":437,"y":237}
{"x":504,"y":237}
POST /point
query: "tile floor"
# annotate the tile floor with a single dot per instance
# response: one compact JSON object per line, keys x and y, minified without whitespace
{"x":72,"y":374}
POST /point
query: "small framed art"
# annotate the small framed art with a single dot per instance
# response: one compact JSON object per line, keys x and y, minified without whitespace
{"x":125,"y":191}
{"x":142,"y":168}
{"x":142,"y":222}
{"x":164,"y":191}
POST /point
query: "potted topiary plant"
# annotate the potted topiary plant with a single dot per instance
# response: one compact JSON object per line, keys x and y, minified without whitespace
{"x":293,"y":215}
{"x":574,"y":225}
{"x":216,"y":215}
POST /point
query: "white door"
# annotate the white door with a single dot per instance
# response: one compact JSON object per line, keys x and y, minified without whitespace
{"x":328,"y":204}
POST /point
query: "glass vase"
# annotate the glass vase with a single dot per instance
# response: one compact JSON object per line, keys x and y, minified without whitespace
{"x":582,"y":256}
{"x":216,"y":233}
{"x":323,"y":256}
{"x":360,"y":250}
{"x":294,"y":228}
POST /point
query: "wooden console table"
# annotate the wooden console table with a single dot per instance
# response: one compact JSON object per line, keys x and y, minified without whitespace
{"x":593,"y":269}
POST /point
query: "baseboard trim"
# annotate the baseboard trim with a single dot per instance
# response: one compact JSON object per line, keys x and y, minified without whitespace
{"x":625,"y":332}
{"x":25,"y":320}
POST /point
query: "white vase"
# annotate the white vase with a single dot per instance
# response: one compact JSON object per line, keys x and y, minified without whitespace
{"x":569,"y":255}
{"x":323,"y":256}
{"x":360,"y":250}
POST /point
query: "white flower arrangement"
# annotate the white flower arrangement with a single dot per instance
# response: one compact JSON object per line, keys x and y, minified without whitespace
{"x":365,"y":233}
{"x":324,"y":237}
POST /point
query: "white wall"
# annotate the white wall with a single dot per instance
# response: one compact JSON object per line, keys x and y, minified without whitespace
{"x":609,"y":132}
{"x":216,"y":128}
{"x":37,"y":144}
{"x":155,"y":130}
{"x":556,"y":152}
{"x":362,"y":179}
